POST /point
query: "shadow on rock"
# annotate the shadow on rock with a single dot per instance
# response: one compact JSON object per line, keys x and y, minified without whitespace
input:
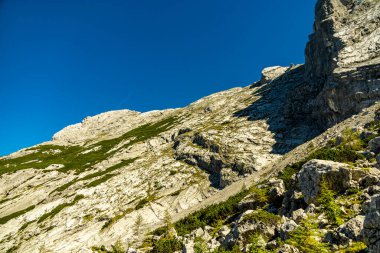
{"x":275,"y":105}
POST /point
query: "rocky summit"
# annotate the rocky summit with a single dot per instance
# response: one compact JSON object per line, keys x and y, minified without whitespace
{"x":288,"y":164}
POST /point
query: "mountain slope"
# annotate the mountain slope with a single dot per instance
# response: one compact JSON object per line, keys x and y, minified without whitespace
{"x":94,"y":178}
{"x":91,"y":183}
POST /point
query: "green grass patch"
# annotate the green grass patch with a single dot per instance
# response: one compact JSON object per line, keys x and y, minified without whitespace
{"x":100,"y":180}
{"x":73,"y":158}
{"x":167,"y":245}
{"x":306,"y":238}
{"x":5,"y":219}
{"x":260,"y":195}
{"x":13,"y":249}
{"x":347,"y":200}
{"x":96,"y":174}
{"x":355,"y":247}
{"x":145,"y":201}
{"x":344,"y":151}
{"x":216,"y":214}
{"x":255,"y":247}
{"x":200,"y":245}
{"x":373,"y":126}
{"x":176,"y":193}
{"x":25,"y":225}
{"x":212,"y":215}
{"x":287,"y":174}
{"x":8,"y":199}
{"x":336,"y":154}
{"x":88,"y":217}
{"x":117,"y":217}
{"x":59,"y":208}
{"x":262,"y":216}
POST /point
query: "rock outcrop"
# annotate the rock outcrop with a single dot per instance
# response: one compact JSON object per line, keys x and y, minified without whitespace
{"x":314,"y":172}
{"x":371,"y":231}
{"x":95,"y":179}
{"x":323,"y":207}
{"x":342,"y":62}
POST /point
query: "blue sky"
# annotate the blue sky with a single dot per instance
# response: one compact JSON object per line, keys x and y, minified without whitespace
{"x":63,"y":60}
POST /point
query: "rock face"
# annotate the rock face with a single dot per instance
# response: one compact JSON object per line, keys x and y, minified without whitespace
{"x":280,"y":213}
{"x":94,"y":179}
{"x":342,"y":61}
{"x":316,"y":171}
{"x":271,"y":73}
{"x":338,"y":176}
{"x":371,"y":231}
{"x":353,"y":228}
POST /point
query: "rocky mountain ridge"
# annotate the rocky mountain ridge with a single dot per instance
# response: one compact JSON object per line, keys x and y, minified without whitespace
{"x":342,"y":62}
{"x":116,"y":176}
{"x":304,"y":205}
{"x":167,"y":160}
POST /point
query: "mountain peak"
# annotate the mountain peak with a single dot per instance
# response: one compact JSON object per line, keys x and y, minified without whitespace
{"x":114,"y":177}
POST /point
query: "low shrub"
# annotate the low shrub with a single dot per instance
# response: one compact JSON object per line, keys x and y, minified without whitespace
{"x":255,"y":247}
{"x":211,"y":215}
{"x":326,"y":200}
{"x":144,"y":201}
{"x":263,"y":216}
{"x":5,"y":219}
{"x":287,"y":173}
{"x":59,"y":208}
{"x":200,"y":245}
{"x":355,"y":247}
{"x":167,"y":245}
{"x":235,"y":249}
{"x":306,"y":238}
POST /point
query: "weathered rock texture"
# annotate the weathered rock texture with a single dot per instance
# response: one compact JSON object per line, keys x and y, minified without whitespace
{"x":338,"y":176}
{"x":89,"y":184}
{"x":342,"y":70}
{"x":371,"y":231}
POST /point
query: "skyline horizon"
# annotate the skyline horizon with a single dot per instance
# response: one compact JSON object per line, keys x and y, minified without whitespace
{"x":65,"y":61}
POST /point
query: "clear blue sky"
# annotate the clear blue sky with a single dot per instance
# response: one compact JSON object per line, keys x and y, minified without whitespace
{"x":63,"y":60}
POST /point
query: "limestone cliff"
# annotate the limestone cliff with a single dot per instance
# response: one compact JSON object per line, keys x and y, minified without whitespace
{"x":94,"y":180}
{"x":342,"y":68}
{"x":88,"y":185}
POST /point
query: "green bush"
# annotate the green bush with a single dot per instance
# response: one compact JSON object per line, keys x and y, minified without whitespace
{"x":255,"y":247}
{"x":345,"y":152}
{"x":74,"y":158}
{"x":373,"y":126}
{"x":261,"y":195}
{"x":59,"y":208}
{"x":326,"y":200}
{"x":144,"y":201}
{"x":235,"y":249}
{"x":287,"y":173}
{"x":200,"y":245}
{"x":5,"y":219}
{"x":216,"y":214}
{"x":116,"y":218}
{"x":263,"y":216}
{"x":167,"y":245}
{"x":211,"y":215}
{"x":306,"y":238}
{"x":355,"y":247}
{"x":336,"y":154}
{"x":351,"y":140}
